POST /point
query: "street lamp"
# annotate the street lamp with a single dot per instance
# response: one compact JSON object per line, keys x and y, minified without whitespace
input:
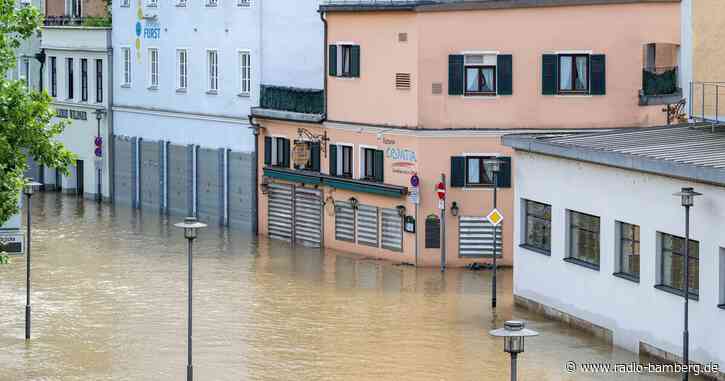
{"x":29,"y":188}
{"x":513,"y":332}
{"x":190,"y":226}
{"x":100,"y":113}
{"x":687,"y":196}
{"x":494,"y":166}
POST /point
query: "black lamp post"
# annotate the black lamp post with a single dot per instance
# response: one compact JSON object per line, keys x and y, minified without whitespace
{"x":494,"y":165}
{"x":28,"y":190}
{"x":687,"y":196}
{"x":190,"y":226}
{"x":100,"y":113}
{"x":513,"y":332}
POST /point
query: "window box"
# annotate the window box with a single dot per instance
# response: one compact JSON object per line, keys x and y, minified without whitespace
{"x":582,"y":263}
{"x":678,"y":292}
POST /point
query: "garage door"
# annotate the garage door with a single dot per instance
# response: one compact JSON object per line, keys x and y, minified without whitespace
{"x":475,"y":237}
{"x":279,"y":210}
{"x":308,"y":217}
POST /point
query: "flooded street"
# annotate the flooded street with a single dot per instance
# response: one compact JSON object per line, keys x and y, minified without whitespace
{"x":109,"y":303}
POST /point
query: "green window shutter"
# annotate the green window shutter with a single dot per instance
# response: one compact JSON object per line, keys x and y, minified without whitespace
{"x":455,"y":74}
{"x":504,"y":175}
{"x":458,"y":172}
{"x":315,"y":156}
{"x":285,"y":153}
{"x":355,"y":61}
{"x":504,"y":74}
{"x":378,"y":166}
{"x":598,"y":75}
{"x":333,"y":160}
{"x":267,"y":150}
{"x":549,"y":74}
{"x":332,"y":60}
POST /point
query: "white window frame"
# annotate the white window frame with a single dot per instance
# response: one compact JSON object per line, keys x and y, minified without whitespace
{"x":245,"y":73}
{"x":179,"y":74}
{"x":339,"y":163}
{"x":212,"y":71}
{"x":181,"y":3}
{"x":125,"y":4}
{"x":361,"y":161}
{"x":126,"y":66}
{"x":25,"y":70}
{"x":212,"y":3}
{"x":153,"y":78}
{"x":152,"y":3}
{"x":244,"y":3}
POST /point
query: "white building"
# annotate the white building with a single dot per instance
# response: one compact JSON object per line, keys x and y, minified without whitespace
{"x":77,"y":76}
{"x":188,"y":72}
{"x":598,"y":242}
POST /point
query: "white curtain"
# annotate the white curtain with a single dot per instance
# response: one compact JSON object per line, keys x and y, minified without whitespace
{"x":487,"y":80}
{"x":565,"y":66}
{"x":474,"y":171}
{"x":472,"y":80}
{"x":582,"y":75}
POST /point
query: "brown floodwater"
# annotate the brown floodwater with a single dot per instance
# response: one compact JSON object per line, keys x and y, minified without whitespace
{"x":109,"y":303}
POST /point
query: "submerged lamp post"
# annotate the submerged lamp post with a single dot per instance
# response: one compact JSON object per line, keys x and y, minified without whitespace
{"x":190,"y":226}
{"x":513,"y":332}
{"x":28,"y":190}
{"x":494,"y":165}
{"x":687,"y":196}
{"x":98,"y":152}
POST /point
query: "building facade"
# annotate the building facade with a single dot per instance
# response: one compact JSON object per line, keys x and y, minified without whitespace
{"x":422,"y":88}
{"x":703,"y":24}
{"x":599,"y":241}
{"x":188,"y":73}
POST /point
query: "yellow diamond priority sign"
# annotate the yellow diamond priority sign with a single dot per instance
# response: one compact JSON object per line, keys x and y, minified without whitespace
{"x":495,"y":217}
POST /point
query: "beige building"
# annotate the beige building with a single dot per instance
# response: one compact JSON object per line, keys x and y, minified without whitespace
{"x":704,"y":53}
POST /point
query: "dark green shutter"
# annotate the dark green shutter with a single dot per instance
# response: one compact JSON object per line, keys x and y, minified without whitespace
{"x":458,"y":172}
{"x":285,"y":153}
{"x":455,"y":74}
{"x":378,"y":166}
{"x":333,"y":160}
{"x":315,"y":156}
{"x":332,"y":60}
{"x":504,"y":175}
{"x":355,"y":61}
{"x":267,"y":150}
{"x":504,"y":74}
{"x":549,"y":74}
{"x":598,"y":75}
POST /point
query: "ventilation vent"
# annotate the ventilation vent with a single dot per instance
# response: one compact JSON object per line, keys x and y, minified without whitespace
{"x":437,"y":88}
{"x":402,"y":81}
{"x":402,"y":37}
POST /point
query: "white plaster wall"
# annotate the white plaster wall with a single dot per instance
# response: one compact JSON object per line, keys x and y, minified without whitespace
{"x":633,"y":311}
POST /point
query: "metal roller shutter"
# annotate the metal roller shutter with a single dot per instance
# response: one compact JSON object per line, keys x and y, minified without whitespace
{"x":123,"y":192}
{"x":367,"y":225}
{"x":308,"y":216}
{"x":344,"y":221}
{"x":280,"y":212}
{"x":392,"y":230}
{"x":475,"y":238}
{"x":150,"y":176}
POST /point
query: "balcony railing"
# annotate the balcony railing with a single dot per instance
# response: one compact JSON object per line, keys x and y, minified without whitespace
{"x":305,"y":101}
{"x":660,"y":81}
{"x":77,"y":21}
{"x":705,"y":102}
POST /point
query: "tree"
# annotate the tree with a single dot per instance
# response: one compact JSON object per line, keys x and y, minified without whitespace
{"x":25,"y":115}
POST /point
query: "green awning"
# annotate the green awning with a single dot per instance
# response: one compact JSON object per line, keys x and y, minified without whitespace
{"x":314,"y":178}
{"x":293,"y":176}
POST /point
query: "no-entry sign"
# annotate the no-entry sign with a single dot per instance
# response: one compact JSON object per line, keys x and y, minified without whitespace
{"x":441,"y":191}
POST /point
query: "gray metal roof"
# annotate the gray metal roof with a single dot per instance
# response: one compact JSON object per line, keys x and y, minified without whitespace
{"x":460,"y":5}
{"x":692,"y":151}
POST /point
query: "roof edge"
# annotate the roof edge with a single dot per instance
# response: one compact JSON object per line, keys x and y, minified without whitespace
{"x":468,"y":5}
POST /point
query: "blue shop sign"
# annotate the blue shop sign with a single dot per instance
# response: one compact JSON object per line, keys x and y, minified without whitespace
{"x":152,"y":31}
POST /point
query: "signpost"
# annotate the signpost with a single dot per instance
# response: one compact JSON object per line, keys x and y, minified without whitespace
{"x":441,"y":192}
{"x":495,"y":218}
{"x":414,"y":197}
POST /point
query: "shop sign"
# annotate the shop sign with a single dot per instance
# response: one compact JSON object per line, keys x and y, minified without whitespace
{"x":152,"y":31}
{"x":404,"y":160}
{"x":409,"y":224}
{"x":11,"y":242}
{"x":300,"y":155}
{"x":65,"y":113}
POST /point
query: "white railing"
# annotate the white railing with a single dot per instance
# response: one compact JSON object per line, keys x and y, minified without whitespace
{"x":705,"y":102}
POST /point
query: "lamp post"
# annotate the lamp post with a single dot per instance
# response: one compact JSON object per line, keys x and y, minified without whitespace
{"x":190,"y":226}
{"x":100,"y":113}
{"x":29,"y":189}
{"x":687,"y":196}
{"x":513,"y":332}
{"x":494,"y":165}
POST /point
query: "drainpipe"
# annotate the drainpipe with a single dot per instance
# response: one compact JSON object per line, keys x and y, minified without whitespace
{"x":255,"y":169}
{"x":324,"y":67}
{"x":41,"y":58}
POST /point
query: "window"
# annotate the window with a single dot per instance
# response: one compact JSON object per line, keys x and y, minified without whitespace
{"x":245,"y":73}
{"x":25,"y":74}
{"x":627,"y":251}
{"x":212,"y":62}
{"x":153,"y":68}
{"x":99,"y":81}
{"x":152,"y":3}
{"x":125,"y":3}
{"x":84,"y":80}
{"x":471,"y":171}
{"x":182,"y":69}
{"x":69,"y":79}
{"x":180,"y":3}
{"x":583,"y":239}
{"x":372,"y":165}
{"x":574,"y":73}
{"x":480,"y":74}
{"x":126,"y":65}
{"x":344,"y":60}
{"x":537,"y":228}
{"x":672,"y":268}
{"x":476,"y":172}
{"x":212,"y":3}
{"x":53,"y":77}
{"x":341,"y":160}
{"x":276,"y":152}
{"x":244,"y":3}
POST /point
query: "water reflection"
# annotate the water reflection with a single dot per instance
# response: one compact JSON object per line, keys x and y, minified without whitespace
{"x":109,"y":294}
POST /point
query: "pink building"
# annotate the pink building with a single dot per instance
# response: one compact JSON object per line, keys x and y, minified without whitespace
{"x":429,"y":88}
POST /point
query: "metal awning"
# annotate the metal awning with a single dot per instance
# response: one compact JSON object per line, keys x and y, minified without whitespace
{"x":314,"y":178}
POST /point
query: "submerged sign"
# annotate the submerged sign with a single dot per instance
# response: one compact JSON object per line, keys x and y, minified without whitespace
{"x":11,"y":242}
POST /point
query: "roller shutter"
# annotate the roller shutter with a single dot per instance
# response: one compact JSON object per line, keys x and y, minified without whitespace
{"x":392,"y":230}
{"x":280,"y":212}
{"x":308,"y":216}
{"x":475,"y":238}
{"x":367,"y":225}
{"x":344,"y":221}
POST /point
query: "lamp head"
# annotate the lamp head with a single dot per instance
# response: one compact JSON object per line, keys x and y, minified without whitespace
{"x":30,"y":187}
{"x":513,"y":333}
{"x":354,"y":203}
{"x":687,"y":196}
{"x":100,"y":113}
{"x":401,"y":210}
{"x":190,"y":226}
{"x":455,"y":209}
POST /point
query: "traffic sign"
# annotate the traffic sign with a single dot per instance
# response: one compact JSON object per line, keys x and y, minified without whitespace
{"x":441,"y":191}
{"x":442,"y":204}
{"x":495,"y":217}
{"x":415,"y":180}
{"x":414,"y":195}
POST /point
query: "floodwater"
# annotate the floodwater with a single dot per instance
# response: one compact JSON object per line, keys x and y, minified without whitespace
{"x":109,"y":303}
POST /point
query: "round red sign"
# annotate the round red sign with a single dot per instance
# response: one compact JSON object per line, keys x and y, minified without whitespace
{"x":441,"y":191}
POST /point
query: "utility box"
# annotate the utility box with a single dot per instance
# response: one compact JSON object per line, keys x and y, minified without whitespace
{"x":12,"y":240}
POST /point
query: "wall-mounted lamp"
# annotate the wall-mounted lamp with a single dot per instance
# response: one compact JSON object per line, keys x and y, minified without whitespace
{"x":455,"y":209}
{"x":264,"y":185}
{"x":354,"y":203}
{"x":401,"y":210}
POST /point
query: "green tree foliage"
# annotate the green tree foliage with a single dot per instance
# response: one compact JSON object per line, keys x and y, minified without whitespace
{"x":25,"y":114}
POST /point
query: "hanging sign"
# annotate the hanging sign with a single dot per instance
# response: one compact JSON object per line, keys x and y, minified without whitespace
{"x":301,"y":154}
